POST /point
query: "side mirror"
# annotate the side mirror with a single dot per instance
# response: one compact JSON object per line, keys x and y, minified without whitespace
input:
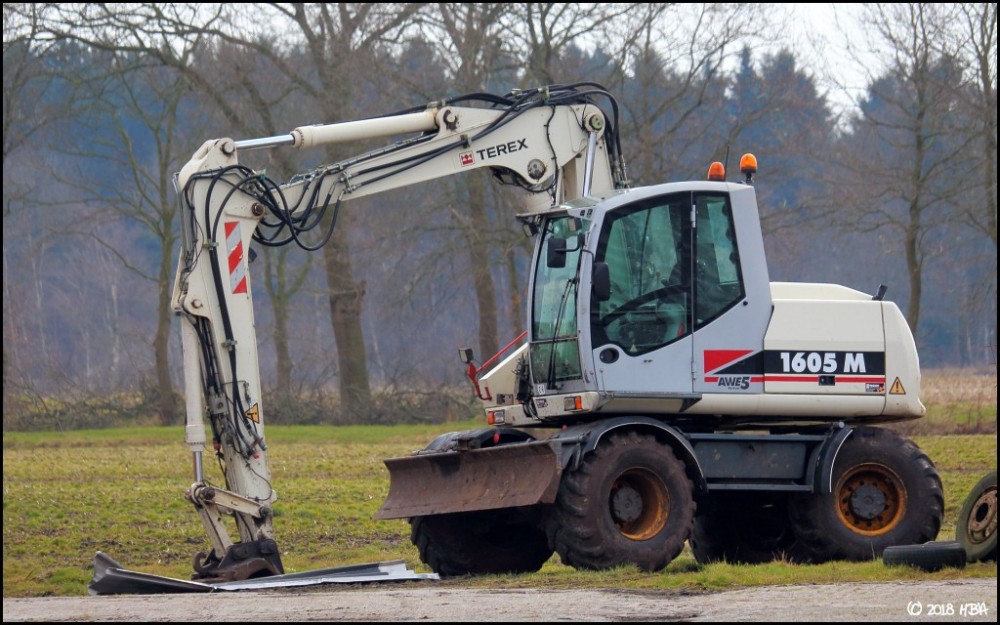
{"x":555,"y":253}
{"x":601,"y":282}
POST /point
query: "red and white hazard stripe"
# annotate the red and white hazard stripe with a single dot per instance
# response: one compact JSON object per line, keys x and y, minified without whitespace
{"x":237,"y":268}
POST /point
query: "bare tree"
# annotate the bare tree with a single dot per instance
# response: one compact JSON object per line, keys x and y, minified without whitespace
{"x":335,"y":40}
{"x":544,"y":31}
{"x":30,"y":76}
{"x":282,"y":281}
{"x":672,"y":58}
{"x":975,"y":40}
{"x":152,"y":48}
{"x":469,"y":36}
{"x":906,"y":162}
{"x":255,"y":108}
{"x":39,"y":98}
{"x":773,"y":109}
{"x":337,"y":37}
{"x":150,"y":99}
{"x":551,"y":36}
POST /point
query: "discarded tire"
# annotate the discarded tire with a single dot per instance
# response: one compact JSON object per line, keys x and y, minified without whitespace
{"x":976,"y":528}
{"x":932,"y":556}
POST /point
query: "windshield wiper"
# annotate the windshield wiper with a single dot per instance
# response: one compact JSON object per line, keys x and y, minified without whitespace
{"x":550,"y":378}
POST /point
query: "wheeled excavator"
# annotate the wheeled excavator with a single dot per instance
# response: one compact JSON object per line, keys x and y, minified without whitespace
{"x":664,"y":391}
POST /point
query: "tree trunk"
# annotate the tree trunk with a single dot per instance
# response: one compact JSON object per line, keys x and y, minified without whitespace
{"x":345,"y":315}
{"x":482,"y":276}
{"x":281,"y":288}
{"x":919,"y":184}
{"x":282,"y":353}
{"x":517,"y":314}
{"x":166,"y":406}
{"x":914,"y":267}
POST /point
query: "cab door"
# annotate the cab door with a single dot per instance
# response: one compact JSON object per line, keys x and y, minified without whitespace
{"x":731,"y":311}
{"x":641,"y":331}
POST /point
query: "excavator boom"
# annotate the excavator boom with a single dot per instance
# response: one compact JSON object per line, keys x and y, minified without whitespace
{"x":555,"y":143}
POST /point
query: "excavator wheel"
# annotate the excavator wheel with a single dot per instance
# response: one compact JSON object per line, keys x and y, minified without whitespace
{"x":630,"y":502}
{"x":886,"y":492}
{"x":743,"y":528}
{"x":483,"y":542}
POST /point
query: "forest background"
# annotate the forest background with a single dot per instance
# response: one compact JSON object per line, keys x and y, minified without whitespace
{"x":103,"y":103}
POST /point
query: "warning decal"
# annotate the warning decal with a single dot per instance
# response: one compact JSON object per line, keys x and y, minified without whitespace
{"x":253,"y":413}
{"x":897,"y":388}
{"x":237,"y":268}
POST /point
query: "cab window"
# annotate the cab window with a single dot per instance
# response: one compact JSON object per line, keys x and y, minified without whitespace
{"x":646,"y":247}
{"x":718,"y":284}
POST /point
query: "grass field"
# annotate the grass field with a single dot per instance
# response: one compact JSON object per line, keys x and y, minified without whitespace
{"x":68,"y":495}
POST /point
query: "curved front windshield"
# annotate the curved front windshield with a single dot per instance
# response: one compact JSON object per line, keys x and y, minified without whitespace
{"x":555,"y":353}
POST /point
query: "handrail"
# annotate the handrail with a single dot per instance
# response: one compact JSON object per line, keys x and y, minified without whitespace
{"x":473,"y":373}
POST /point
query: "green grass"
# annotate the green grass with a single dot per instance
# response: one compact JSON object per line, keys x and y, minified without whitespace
{"x":68,"y":495}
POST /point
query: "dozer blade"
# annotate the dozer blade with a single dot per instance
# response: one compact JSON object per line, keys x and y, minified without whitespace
{"x":520,"y":474}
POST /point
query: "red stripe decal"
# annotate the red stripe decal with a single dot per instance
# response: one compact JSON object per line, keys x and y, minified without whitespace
{"x":235,"y":256}
{"x":815,"y":379}
{"x":718,"y":358}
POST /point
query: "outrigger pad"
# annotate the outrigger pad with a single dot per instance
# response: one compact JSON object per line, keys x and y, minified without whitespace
{"x":111,"y":579}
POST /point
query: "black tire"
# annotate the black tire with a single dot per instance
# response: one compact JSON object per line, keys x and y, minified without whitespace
{"x":977,"y":521}
{"x":484,"y":542}
{"x":886,"y":492}
{"x":629,"y":503}
{"x":932,"y":556}
{"x":742,"y":528}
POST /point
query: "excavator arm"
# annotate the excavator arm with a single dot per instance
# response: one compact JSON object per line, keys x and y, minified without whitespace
{"x":556,"y":143}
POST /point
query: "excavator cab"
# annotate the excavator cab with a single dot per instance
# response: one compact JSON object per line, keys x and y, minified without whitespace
{"x":628,"y":294}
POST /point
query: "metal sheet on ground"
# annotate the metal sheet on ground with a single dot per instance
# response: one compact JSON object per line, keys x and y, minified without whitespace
{"x":110,"y":578}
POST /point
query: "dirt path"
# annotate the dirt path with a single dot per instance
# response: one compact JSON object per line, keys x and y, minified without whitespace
{"x":955,"y":600}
